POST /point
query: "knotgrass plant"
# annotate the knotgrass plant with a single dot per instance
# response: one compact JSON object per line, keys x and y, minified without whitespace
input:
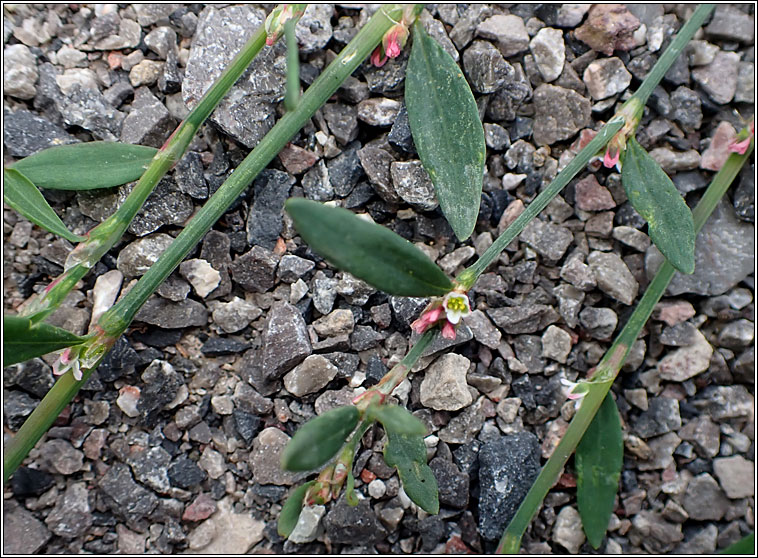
{"x":449,"y":138}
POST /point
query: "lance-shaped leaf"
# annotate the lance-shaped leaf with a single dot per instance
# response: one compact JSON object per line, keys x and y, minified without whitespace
{"x":85,"y":166}
{"x":23,"y":196}
{"x":369,"y":251}
{"x":291,"y":510}
{"x":408,"y":455}
{"x":599,"y":457}
{"x":23,"y":340}
{"x":397,"y":420}
{"x":656,"y":199}
{"x":319,"y":439}
{"x":745,"y":545}
{"x":446,"y":130}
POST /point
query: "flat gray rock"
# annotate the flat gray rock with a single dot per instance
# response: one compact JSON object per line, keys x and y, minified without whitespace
{"x":247,"y":112}
{"x":724,"y":255}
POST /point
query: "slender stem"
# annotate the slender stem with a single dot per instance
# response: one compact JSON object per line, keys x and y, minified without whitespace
{"x":610,"y":365}
{"x":673,"y":51}
{"x":469,"y":276}
{"x":292,"y":93}
{"x":117,"y":318}
{"x":105,"y":235}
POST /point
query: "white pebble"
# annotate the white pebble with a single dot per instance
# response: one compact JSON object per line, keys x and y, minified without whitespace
{"x":377,"y":488}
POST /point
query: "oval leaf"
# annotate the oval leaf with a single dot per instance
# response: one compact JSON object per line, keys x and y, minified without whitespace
{"x":656,"y":199}
{"x":745,"y":545}
{"x":319,"y":439}
{"x":397,"y":420}
{"x":22,"y":340}
{"x":23,"y":196}
{"x":86,"y":166}
{"x":291,"y":510}
{"x":408,"y":455}
{"x":446,"y":130}
{"x":369,"y":251}
{"x":598,"y":460}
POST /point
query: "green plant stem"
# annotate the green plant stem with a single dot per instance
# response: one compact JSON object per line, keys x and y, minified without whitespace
{"x":468,"y":277}
{"x":115,"y":321}
{"x":673,"y":51}
{"x":105,"y":235}
{"x":610,"y":365}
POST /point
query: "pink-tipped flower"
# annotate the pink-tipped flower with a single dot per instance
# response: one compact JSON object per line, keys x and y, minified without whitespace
{"x":456,"y":306}
{"x":742,"y":145}
{"x":448,"y":331}
{"x":575,"y":391}
{"x":428,"y":318}
{"x":274,"y":24}
{"x":394,"y":40}
{"x":610,"y":161}
{"x":68,"y":361}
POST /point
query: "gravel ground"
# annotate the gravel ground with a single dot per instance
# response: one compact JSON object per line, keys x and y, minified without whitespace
{"x":173,"y":444}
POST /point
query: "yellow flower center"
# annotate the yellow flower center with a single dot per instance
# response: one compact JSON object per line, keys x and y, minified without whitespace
{"x":456,"y":305}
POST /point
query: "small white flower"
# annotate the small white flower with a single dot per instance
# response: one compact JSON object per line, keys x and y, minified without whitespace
{"x":456,"y":306}
{"x":576,"y":390}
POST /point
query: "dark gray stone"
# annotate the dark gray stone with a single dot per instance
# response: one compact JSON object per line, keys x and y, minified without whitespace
{"x":123,"y":496}
{"x":345,"y":171}
{"x":185,"y":473}
{"x":215,"y":251}
{"x":600,"y":323}
{"x":731,"y":24}
{"x":349,"y":525}
{"x":247,"y":425}
{"x":285,"y":342}
{"x":558,"y":114}
{"x":507,"y":100}
{"x":264,"y":221}
{"x":662,"y":416}
{"x":527,"y":318}
{"x":485,"y":67}
{"x":149,"y":122}
{"x":217,"y":346}
{"x":376,"y":162}
{"x":342,"y":121}
{"x":188,"y":175}
{"x":162,"y":383}
{"x":687,"y":109}
{"x":71,"y":517}
{"x":172,"y":315}
{"x":164,"y":206}
{"x":316,"y":183}
{"x":744,"y":195}
{"x":25,"y":133}
{"x":17,"y":405}
{"x":247,"y":113}
{"x":117,"y":93}
{"x":256,"y":270}
{"x":22,"y":532}
{"x":507,"y":468}
{"x":400,"y":134}
{"x":549,"y":240}
{"x":453,"y":485}
{"x":30,"y":482}
{"x":150,"y":467}
{"x":388,"y":80}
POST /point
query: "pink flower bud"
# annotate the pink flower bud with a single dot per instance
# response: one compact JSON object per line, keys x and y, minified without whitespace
{"x":609,"y":161}
{"x":377,"y":58}
{"x":448,"y":331}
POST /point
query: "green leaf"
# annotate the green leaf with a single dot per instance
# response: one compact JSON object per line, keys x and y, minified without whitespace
{"x":598,"y":460}
{"x":291,"y":510}
{"x":350,"y":497}
{"x":319,"y":439}
{"x":446,"y":130}
{"x":397,"y":420}
{"x":408,"y":455}
{"x":22,"y":340}
{"x":745,"y":545}
{"x":85,"y":166}
{"x":656,"y":199}
{"x":23,"y":196}
{"x":369,"y":251}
